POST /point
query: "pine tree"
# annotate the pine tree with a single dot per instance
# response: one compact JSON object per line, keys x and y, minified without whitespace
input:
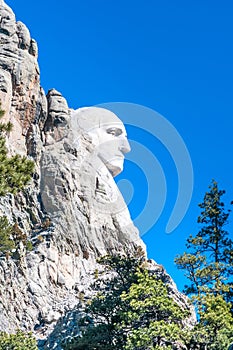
{"x":15,"y":174}
{"x":15,"y":171}
{"x":7,"y":244}
{"x":209,"y":261}
{"x":154,"y":319}
{"x":17,"y":341}
{"x":11,"y":237}
{"x":131,"y":310}
{"x":209,"y":266}
{"x":100,"y":328}
{"x":215,"y":327}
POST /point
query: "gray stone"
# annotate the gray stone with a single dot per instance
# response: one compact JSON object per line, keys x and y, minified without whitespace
{"x":24,"y":36}
{"x":72,"y":211}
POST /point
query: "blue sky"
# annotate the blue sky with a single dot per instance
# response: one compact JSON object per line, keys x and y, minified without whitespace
{"x":175,"y":57}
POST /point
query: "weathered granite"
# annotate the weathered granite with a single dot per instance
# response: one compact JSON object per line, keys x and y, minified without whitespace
{"x":72,"y":211}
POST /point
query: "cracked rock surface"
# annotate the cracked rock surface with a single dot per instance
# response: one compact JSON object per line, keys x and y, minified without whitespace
{"x":58,"y":211}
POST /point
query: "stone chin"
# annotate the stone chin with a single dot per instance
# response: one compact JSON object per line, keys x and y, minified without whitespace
{"x":115,"y":167}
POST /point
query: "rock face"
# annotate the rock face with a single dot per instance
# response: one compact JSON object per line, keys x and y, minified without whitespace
{"x":59,"y":210}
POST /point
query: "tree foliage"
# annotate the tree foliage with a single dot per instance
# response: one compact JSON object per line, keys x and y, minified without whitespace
{"x":11,"y":238}
{"x":155,"y":320}
{"x":15,"y":171}
{"x":7,"y":244}
{"x":209,"y":265}
{"x":17,"y":341}
{"x":132,"y":310}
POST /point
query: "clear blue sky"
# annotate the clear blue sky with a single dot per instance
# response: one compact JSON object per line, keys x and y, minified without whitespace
{"x":175,"y":57}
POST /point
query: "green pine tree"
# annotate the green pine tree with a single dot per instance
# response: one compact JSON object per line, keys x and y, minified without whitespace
{"x":7,"y":243}
{"x":208,"y":264}
{"x":15,"y":171}
{"x":17,"y":341}
{"x":11,"y":236}
{"x":15,"y":174}
{"x":153,"y":320}
{"x":131,"y":310}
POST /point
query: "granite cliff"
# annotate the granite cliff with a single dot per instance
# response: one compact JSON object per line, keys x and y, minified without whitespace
{"x":58,"y":211}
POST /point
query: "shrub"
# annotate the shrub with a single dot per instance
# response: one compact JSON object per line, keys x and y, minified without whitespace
{"x":17,"y":341}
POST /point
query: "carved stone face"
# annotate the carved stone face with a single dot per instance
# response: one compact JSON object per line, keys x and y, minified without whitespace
{"x":112,"y":145}
{"x":108,"y":135}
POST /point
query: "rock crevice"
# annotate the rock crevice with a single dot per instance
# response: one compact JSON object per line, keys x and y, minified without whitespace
{"x":58,"y":211}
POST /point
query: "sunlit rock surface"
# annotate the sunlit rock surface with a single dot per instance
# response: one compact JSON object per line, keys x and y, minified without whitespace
{"x":72,"y":211}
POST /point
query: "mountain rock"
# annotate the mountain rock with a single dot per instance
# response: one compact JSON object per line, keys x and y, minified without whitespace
{"x":71,"y":213}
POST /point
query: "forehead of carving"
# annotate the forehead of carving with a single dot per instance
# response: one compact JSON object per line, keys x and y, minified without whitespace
{"x":94,"y":117}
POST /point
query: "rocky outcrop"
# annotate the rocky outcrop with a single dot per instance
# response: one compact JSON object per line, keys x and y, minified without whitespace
{"x":70,"y":215}
{"x":20,"y":91}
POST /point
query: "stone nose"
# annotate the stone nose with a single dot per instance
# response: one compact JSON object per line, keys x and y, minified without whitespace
{"x":124,"y":146}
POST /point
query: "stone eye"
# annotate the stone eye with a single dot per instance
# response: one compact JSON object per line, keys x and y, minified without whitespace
{"x":114,"y":131}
